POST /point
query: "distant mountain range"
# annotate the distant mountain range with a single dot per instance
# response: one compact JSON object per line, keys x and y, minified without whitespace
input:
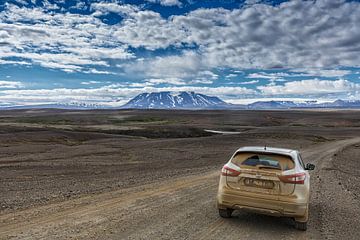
{"x":193,"y":101}
{"x":306,"y":104}
{"x":70,"y":105}
{"x":170,"y":100}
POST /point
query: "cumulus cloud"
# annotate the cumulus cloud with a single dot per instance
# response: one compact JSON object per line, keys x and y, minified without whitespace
{"x":118,"y":94}
{"x":106,"y":95}
{"x":11,"y":62}
{"x":167,"y":2}
{"x":231,"y":75}
{"x":311,"y":38}
{"x":293,"y":99}
{"x":90,"y":82}
{"x":64,"y":41}
{"x":323,"y":72}
{"x":308,"y":87}
{"x":23,"y":2}
{"x":295,"y":34}
{"x":249,"y":82}
{"x":251,"y":2}
{"x":50,"y":6}
{"x":186,"y":65}
{"x":95,"y":71}
{"x":11,"y":84}
{"x":302,"y":72}
{"x":102,"y":8}
{"x":172,"y":81}
{"x":270,"y":75}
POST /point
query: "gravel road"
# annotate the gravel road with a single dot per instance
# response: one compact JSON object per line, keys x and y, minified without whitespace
{"x":184,"y":207}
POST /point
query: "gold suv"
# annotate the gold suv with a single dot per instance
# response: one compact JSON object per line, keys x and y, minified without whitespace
{"x":271,"y":181}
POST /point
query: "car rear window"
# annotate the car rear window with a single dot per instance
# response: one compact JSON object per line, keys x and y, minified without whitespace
{"x":263,"y":161}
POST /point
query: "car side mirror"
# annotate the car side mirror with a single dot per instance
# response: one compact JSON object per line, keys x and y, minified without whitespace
{"x":309,"y":166}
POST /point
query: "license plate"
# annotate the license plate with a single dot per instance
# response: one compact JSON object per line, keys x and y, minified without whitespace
{"x":259,"y":183}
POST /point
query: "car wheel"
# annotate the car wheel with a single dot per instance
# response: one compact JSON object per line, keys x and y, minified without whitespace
{"x":301,"y":225}
{"x":225,"y":213}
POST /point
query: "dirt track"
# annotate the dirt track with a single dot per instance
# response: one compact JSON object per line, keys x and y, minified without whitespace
{"x":182,"y":205}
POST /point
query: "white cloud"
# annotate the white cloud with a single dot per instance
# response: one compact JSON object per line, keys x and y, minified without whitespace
{"x":301,"y":72}
{"x":201,"y":80}
{"x":298,"y":35}
{"x":269,"y":75}
{"x":208,"y":74}
{"x":296,"y":100}
{"x":249,"y":82}
{"x":187,"y":67}
{"x":149,"y":30}
{"x":308,"y":87}
{"x":174,"y":66}
{"x":79,"y":5}
{"x":167,"y":2}
{"x":50,"y":6}
{"x":105,"y":7}
{"x":94,"y":71}
{"x":10,"y":84}
{"x":90,"y":82}
{"x":65,"y":41}
{"x":323,"y":72}
{"x":140,"y":85}
{"x":23,"y":2}
{"x":251,"y":2}
{"x":14,"y":62}
{"x":231,"y":75}
{"x":273,"y":78}
{"x":108,"y":95}
{"x":293,"y":34}
{"x":171,"y":81}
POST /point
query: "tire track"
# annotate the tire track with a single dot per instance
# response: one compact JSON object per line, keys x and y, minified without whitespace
{"x":318,"y":155}
{"x":88,"y":216}
{"x":93,"y":207}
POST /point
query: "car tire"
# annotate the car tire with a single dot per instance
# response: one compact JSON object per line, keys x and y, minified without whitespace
{"x":225,"y":213}
{"x":301,"y":225}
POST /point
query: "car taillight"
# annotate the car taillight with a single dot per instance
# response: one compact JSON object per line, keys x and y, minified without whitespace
{"x":297,"y":178}
{"x":227,"y":171}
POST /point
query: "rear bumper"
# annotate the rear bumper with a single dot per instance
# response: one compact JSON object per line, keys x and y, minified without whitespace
{"x":276,"y":207}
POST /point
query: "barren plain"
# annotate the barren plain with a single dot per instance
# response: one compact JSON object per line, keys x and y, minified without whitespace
{"x":131,"y":174}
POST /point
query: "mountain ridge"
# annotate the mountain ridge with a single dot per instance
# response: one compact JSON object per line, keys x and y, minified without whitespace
{"x":192,"y":101}
{"x":153,"y":101}
{"x":175,"y":100}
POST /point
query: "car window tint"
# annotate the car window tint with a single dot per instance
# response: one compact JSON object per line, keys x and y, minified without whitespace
{"x":259,"y":160}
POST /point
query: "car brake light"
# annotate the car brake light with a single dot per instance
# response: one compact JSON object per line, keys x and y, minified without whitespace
{"x":227,"y":171}
{"x":298,"y":178}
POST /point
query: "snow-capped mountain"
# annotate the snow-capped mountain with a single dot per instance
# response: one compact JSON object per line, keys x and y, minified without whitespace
{"x":272,"y":105}
{"x":192,"y":100}
{"x":307,"y":104}
{"x":67,"y":105}
{"x":342,"y":104}
{"x":172,"y":100}
{"x":189,"y":100}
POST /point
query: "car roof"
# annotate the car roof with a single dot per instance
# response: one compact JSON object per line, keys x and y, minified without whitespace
{"x":284,"y":151}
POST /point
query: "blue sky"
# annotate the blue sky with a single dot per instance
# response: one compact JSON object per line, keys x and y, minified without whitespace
{"x":107,"y":52}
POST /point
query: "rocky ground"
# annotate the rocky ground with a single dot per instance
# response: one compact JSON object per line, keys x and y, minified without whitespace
{"x":154,"y":174}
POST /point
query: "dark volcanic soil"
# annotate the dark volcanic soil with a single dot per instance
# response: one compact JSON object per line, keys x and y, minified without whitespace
{"x":153,"y":174}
